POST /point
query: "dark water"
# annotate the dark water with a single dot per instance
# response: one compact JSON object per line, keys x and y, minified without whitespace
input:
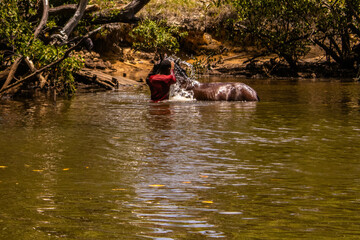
{"x":111,"y":165}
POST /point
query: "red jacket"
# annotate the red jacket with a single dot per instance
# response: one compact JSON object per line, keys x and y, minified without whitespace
{"x":160,"y":86}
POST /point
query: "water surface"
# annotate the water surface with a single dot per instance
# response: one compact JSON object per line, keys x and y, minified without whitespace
{"x":112,"y":165}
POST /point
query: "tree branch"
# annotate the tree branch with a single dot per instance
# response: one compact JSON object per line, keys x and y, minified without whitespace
{"x":71,"y":8}
{"x":33,"y":69}
{"x":126,"y":14}
{"x":12,"y":72}
{"x":72,"y":23}
{"x":44,"y":18}
{"x":66,"y":54}
{"x":329,"y":51}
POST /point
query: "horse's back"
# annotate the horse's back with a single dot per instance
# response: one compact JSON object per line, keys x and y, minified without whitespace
{"x":222,"y":91}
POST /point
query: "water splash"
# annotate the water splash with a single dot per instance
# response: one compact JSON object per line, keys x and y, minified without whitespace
{"x":182,"y":89}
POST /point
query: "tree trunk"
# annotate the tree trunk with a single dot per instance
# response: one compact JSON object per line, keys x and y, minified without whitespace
{"x":329,"y":51}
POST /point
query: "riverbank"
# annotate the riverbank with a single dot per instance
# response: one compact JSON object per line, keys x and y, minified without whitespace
{"x":231,"y":62}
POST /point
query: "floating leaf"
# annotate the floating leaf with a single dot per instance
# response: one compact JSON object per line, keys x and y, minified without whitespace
{"x":187,"y":182}
{"x":156,"y":185}
{"x":37,"y":170}
{"x":3,"y":167}
{"x":66,"y":169}
{"x":204,"y":176}
{"x":118,"y":189}
{"x":207,"y":202}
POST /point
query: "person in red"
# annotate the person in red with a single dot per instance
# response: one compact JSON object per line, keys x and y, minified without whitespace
{"x":159,"y":84}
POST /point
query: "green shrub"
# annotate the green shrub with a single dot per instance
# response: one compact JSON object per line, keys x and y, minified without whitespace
{"x":156,"y":36}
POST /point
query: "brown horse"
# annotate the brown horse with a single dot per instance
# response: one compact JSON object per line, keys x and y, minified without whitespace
{"x":224,"y":91}
{"x":219,"y":91}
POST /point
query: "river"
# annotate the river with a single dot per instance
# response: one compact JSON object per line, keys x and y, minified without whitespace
{"x":112,"y":165}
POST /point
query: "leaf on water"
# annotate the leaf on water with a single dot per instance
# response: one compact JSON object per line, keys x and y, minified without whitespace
{"x":86,"y":167}
{"x":2,"y":167}
{"x":37,"y":170}
{"x":187,"y":182}
{"x":207,"y":202}
{"x":204,"y":176}
{"x":66,"y":169}
{"x":156,"y":185}
{"x":118,"y":189}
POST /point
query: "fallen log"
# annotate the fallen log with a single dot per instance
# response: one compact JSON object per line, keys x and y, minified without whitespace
{"x":92,"y":76}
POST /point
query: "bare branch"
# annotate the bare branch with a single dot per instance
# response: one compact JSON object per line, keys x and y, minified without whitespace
{"x":33,"y":69}
{"x":44,"y":18}
{"x":71,"y":24}
{"x":71,"y":8}
{"x":12,"y":72}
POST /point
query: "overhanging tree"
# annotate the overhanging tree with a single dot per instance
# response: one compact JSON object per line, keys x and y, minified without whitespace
{"x":32,"y":55}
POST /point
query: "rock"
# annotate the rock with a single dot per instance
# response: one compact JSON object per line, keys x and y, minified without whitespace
{"x":100,"y":65}
{"x":89,"y":64}
{"x":108,"y":64}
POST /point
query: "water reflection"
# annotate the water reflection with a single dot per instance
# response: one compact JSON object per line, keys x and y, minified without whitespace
{"x":168,"y":198}
{"x":115,"y":166}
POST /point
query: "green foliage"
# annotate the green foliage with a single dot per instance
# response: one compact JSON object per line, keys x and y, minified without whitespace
{"x":156,"y":36}
{"x":62,"y":2}
{"x":279,"y":26}
{"x":104,"y":3}
{"x":14,"y":30}
{"x":16,"y":35}
{"x":65,"y":79}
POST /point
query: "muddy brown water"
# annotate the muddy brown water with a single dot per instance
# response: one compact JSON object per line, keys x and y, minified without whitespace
{"x":112,"y":165}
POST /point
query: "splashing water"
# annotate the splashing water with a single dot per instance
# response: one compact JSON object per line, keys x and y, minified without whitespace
{"x":181,"y":90}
